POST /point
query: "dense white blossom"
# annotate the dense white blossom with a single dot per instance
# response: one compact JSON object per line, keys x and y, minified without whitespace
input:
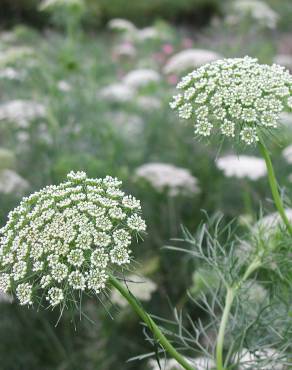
{"x":141,"y":287}
{"x":12,"y":183}
{"x":237,"y":98}
{"x":200,"y":363}
{"x":141,"y":77}
{"x":259,"y":10}
{"x":117,"y":93}
{"x":287,"y":154}
{"x":11,"y":74}
{"x":189,"y":59}
{"x":67,"y":238}
{"x":22,"y":112}
{"x":119,"y":24}
{"x":167,"y":177}
{"x":242,"y":166}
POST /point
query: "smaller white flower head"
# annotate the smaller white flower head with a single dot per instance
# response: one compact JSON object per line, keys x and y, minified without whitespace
{"x":189,"y":59}
{"x":12,"y":183}
{"x":22,"y":112}
{"x":169,"y":178}
{"x":121,"y":25}
{"x":237,"y":98}
{"x":117,"y":93}
{"x":141,"y":77}
{"x":287,"y":154}
{"x":242,"y":166}
{"x":259,"y":10}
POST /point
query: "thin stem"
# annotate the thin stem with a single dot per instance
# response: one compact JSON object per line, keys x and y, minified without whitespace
{"x":220,"y":340}
{"x":231,"y":293}
{"x":162,"y":340}
{"x":274,"y":185}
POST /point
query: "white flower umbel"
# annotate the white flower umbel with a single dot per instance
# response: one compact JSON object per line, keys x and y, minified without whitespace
{"x":141,"y":287}
{"x":189,"y":59}
{"x":22,"y":112}
{"x":258,"y":10}
{"x":237,"y":98}
{"x":169,"y":178}
{"x":121,"y":25}
{"x":242,"y":166}
{"x":141,"y":77}
{"x":67,"y":238}
{"x":287,"y":154}
{"x":117,"y":93}
{"x":12,"y":183}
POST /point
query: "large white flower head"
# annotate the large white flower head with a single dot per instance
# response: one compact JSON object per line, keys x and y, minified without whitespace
{"x":66,"y":239}
{"x":239,"y":98}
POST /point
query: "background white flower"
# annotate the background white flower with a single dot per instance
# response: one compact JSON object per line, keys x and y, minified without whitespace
{"x":287,"y":154}
{"x":242,"y":166}
{"x":141,"y":287}
{"x":167,"y":177}
{"x":22,"y":112}
{"x":189,"y":59}
{"x":12,"y":183}
{"x":260,"y":11}
{"x":117,"y":93}
{"x":141,"y":77}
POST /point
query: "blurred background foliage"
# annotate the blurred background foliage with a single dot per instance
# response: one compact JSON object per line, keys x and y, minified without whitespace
{"x":83,"y":126}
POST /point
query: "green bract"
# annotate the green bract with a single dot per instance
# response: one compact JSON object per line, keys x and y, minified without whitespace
{"x":67,"y":238}
{"x":238,"y":98}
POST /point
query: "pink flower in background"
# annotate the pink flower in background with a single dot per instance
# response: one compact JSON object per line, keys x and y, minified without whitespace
{"x":187,"y":43}
{"x":172,"y":79}
{"x":167,"y":49}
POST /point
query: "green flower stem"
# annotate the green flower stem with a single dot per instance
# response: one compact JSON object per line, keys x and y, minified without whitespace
{"x":231,"y":293}
{"x":274,"y":185}
{"x":159,"y":336}
{"x":224,"y":320}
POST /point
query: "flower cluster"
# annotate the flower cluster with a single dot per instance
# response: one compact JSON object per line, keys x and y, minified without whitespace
{"x":169,"y":178}
{"x":67,"y":238}
{"x":238,"y":97}
{"x":242,"y":166}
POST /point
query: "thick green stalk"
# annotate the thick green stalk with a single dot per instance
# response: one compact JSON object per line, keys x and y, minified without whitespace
{"x":159,"y":336}
{"x":274,"y":185}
